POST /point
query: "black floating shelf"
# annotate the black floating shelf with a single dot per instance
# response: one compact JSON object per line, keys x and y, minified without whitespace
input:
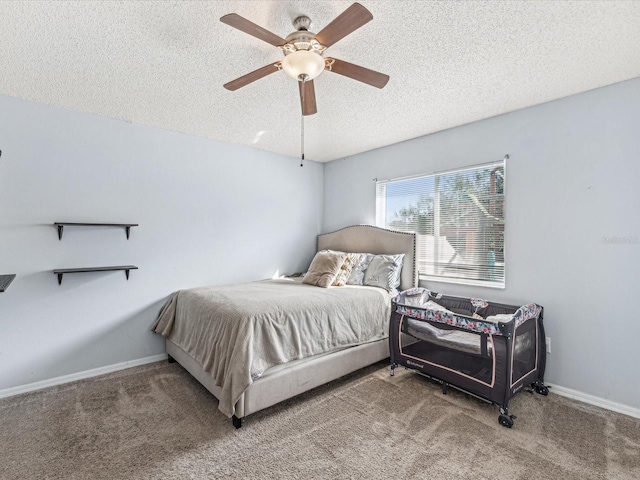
{"x":126,"y":226}
{"x":5,"y":281}
{"x":60,"y":272}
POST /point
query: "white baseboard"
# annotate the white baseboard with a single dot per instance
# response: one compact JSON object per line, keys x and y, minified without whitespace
{"x":10,"y":392}
{"x":596,"y":401}
{"x":31,"y":387}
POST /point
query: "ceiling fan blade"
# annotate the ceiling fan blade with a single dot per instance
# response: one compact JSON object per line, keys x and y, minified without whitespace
{"x":370,"y":77}
{"x":236,"y":21}
{"x":251,"y":77}
{"x":347,"y":22}
{"x":308,"y":100}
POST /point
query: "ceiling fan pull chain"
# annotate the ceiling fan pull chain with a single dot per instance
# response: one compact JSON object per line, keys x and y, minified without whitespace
{"x":302,"y":142}
{"x":303,"y":78}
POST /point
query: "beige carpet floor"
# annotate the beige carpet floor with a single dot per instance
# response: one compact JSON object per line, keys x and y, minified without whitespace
{"x":156,"y":422}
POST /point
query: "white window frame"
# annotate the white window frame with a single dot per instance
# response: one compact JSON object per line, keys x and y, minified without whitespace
{"x":381,"y":221}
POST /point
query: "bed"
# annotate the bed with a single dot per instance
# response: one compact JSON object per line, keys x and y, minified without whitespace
{"x":205,"y":335}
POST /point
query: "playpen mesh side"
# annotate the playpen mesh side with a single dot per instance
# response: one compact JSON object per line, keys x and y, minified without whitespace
{"x":525,"y":356}
{"x":440,"y":352}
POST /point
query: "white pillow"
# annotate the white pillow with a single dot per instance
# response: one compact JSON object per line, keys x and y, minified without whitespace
{"x":356,"y":277}
{"x":384,"y":272}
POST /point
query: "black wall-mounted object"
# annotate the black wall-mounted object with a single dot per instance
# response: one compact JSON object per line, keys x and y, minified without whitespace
{"x":61,"y":271}
{"x":5,"y":281}
{"x":61,"y":225}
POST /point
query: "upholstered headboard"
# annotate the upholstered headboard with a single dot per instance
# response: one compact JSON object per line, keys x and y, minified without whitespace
{"x":376,"y":240}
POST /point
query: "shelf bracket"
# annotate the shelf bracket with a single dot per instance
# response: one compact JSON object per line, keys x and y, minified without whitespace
{"x":5,"y":281}
{"x":126,"y":272}
{"x":128,"y":230}
{"x":60,"y":229}
{"x":60,"y":278}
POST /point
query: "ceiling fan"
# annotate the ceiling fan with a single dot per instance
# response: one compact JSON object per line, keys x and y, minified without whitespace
{"x":303,"y":52}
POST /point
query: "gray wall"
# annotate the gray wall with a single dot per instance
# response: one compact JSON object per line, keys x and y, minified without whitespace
{"x":209,"y":213}
{"x":571,"y":181}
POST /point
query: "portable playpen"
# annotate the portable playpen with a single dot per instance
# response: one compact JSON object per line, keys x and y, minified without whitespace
{"x":487,"y":349}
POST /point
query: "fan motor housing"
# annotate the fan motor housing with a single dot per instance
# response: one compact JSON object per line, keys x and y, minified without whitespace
{"x":302,"y":40}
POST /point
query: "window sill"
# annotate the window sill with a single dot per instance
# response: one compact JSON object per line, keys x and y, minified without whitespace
{"x":468,"y":282}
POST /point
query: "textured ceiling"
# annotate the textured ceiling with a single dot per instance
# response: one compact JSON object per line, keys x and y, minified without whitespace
{"x":163,"y":64}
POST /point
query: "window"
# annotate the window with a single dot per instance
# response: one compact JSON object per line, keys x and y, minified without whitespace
{"x":459,"y":219}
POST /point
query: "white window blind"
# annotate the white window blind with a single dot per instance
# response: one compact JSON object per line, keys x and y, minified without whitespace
{"x":459,"y":219}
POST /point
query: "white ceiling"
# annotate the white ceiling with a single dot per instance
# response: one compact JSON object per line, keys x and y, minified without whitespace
{"x":164,"y":63}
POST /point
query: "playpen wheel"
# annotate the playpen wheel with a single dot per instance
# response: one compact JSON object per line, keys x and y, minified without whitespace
{"x":541,"y":389}
{"x":505,"y":420}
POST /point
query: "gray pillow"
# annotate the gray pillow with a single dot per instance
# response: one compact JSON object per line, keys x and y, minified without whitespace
{"x":324,"y":268}
{"x":356,"y":277}
{"x":384,"y":272}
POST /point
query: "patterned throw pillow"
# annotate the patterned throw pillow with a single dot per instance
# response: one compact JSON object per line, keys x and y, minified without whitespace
{"x":384,"y":272}
{"x":324,"y":268}
{"x":346,"y":268}
{"x":357,"y":273}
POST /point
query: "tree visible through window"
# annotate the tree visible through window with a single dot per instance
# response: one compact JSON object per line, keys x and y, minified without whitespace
{"x":459,"y":219}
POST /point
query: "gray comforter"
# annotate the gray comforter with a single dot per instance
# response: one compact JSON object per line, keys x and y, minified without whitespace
{"x":237,"y":332}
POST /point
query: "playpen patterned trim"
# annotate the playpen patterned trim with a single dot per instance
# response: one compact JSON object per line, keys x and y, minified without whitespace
{"x":527,"y":312}
{"x":438,"y":316}
{"x":521,"y":315}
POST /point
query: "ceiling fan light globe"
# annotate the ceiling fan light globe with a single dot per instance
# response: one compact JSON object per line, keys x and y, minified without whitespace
{"x":303,"y":62}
